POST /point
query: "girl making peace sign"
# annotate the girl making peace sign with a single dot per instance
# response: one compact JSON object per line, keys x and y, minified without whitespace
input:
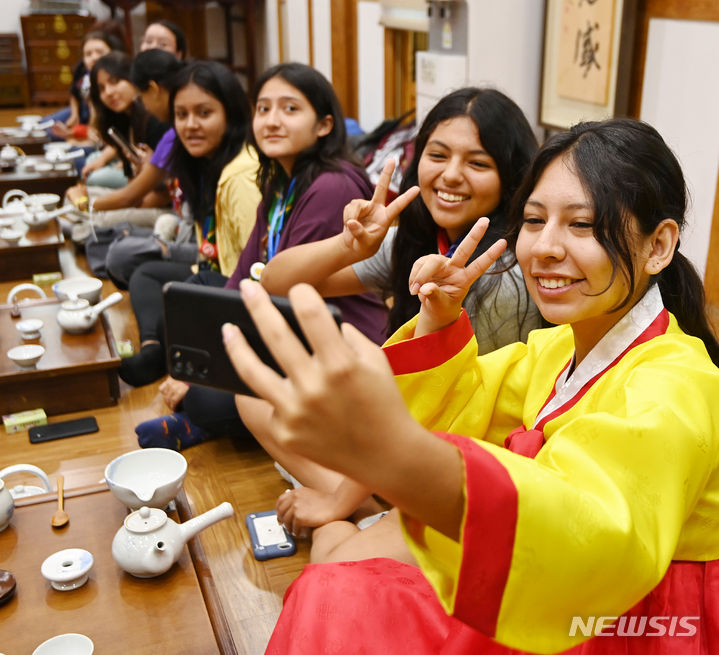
{"x":469,"y":157}
{"x":550,"y":491}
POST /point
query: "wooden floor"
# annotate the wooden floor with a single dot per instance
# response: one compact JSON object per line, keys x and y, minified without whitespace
{"x":250,"y":591}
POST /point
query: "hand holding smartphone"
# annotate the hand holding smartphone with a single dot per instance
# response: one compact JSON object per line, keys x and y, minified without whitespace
{"x":194,"y":315}
{"x":124,"y":145}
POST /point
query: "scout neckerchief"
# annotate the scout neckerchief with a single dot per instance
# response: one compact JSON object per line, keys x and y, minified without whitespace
{"x":173,"y":188}
{"x":208,"y":247}
{"x":646,"y":320}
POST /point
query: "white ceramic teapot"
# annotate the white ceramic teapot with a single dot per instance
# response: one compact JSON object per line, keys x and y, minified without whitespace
{"x":7,"y":505}
{"x":37,"y":218}
{"x":22,"y":490}
{"x":149,"y":543}
{"x":9,"y":156}
{"x":14,"y":198}
{"x":76,"y":315}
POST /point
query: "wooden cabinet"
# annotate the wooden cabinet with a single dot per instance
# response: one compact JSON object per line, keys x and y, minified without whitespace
{"x":52,"y":50}
{"x":13,"y":83}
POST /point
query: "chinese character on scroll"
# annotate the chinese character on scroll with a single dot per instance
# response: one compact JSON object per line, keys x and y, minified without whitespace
{"x":585,"y":50}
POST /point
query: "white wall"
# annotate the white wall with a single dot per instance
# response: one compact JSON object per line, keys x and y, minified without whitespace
{"x":370,"y":65}
{"x":680,"y":97}
{"x":295,"y":31}
{"x":272,"y":41}
{"x":321,"y":29}
{"x":504,"y":45}
{"x":505,"y":50}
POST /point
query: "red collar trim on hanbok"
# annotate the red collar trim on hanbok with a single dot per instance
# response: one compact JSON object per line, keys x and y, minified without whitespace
{"x":442,"y":241}
{"x":646,"y":320}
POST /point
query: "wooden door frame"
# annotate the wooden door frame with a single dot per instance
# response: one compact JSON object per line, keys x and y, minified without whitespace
{"x":704,"y":10}
{"x":711,"y":273}
{"x":344,"y":54}
{"x":400,"y":85}
{"x":648,"y":9}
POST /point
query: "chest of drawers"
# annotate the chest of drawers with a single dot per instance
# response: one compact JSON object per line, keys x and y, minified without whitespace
{"x":13,"y":83}
{"x":52,"y":50}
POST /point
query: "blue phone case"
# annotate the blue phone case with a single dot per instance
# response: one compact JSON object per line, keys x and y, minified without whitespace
{"x":269,"y":538}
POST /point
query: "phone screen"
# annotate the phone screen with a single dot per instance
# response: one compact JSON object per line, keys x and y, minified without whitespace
{"x":269,"y":531}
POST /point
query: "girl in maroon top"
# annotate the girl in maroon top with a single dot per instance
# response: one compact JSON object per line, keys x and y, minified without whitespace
{"x":306,"y":178}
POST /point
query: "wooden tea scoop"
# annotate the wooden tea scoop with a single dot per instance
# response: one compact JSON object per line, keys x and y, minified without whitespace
{"x":60,"y":517}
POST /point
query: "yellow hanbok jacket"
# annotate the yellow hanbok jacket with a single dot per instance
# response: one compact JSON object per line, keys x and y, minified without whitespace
{"x":236,"y":203}
{"x":611,"y":508}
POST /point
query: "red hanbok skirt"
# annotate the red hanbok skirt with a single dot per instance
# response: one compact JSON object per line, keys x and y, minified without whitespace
{"x":381,"y":606}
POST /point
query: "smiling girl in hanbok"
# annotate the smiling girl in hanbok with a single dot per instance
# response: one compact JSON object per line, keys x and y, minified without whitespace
{"x":560,"y":494}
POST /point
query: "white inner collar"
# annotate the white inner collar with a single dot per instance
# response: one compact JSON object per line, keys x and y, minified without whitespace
{"x":614,"y":342}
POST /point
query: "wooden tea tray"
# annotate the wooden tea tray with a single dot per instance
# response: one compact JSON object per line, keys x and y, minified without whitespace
{"x":36,"y":252}
{"x":177,"y":612}
{"x":77,"y":371}
{"x":53,"y":181}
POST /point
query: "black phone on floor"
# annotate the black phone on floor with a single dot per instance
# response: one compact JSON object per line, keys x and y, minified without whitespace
{"x":194,"y":315}
{"x":72,"y":428}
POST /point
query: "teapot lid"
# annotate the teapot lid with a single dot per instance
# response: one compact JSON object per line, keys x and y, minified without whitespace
{"x":145,"y":519}
{"x":75,"y":303}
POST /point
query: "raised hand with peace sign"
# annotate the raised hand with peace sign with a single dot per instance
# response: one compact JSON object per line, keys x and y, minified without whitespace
{"x":443,"y":282}
{"x":326,"y":264}
{"x":367,"y":221}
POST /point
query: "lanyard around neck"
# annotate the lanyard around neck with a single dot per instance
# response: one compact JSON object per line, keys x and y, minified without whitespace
{"x":281,"y":206}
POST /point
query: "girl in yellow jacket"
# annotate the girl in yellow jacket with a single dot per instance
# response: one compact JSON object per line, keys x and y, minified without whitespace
{"x":216,"y":172}
{"x":557,"y":495}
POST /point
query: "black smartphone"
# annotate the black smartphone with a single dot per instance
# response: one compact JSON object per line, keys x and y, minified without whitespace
{"x":72,"y":428}
{"x":194,"y":315}
{"x":269,"y":538}
{"x":123,"y":144}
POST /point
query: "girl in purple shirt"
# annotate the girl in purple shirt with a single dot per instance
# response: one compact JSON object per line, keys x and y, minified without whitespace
{"x":306,"y":178}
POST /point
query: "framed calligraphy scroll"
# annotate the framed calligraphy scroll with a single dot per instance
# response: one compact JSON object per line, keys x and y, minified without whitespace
{"x":586,"y":66}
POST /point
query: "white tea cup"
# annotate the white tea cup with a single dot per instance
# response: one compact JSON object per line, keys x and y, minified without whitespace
{"x":71,"y":643}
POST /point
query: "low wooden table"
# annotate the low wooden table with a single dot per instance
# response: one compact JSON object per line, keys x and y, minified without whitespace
{"x":30,"y":145}
{"x":77,"y":371}
{"x":177,"y":612}
{"x":36,"y":252}
{"x":32,"y":181}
